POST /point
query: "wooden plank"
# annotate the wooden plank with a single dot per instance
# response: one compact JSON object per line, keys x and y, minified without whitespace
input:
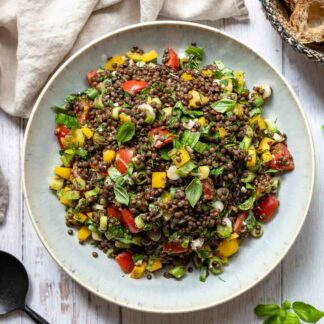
{"x":10,"y":144}
{"x":303,"y":268}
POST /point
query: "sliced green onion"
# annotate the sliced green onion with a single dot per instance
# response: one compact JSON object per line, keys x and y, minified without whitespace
{"x":177,"y":272}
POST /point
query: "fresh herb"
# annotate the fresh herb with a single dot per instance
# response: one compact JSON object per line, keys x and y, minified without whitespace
{"x":288,"y":313}
{"x":224,"y":105}
{"x":193,"y":113}
{"x":190,"y":138}
{"x":125,"y":133}
{"x":67,"y":120}
{"x":194,"y":192}
{"x":81,"y":152}
{"x":164,"y":154}
{"x":248,"y":204}
{"x":201,"y":147}
{"x":91,"y":92}
{"x":255,"y":111}
{"x":217,"y":172}
{"x":121,"y":194}
{"x":71,"y":98}
{"x":194,"y":59}
{"x":115,"y":175}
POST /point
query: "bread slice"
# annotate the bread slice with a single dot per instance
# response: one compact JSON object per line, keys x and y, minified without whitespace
{"x":307,"y":21}
{"x":291,"y":4}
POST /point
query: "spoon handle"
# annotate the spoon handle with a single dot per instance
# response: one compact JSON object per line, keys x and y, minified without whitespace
{"x":37,"y":318}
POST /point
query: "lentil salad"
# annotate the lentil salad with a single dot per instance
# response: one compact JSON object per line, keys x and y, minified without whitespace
{"x":168,"y":164}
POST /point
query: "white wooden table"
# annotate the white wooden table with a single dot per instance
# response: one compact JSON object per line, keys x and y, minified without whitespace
{"x":298,"y":277}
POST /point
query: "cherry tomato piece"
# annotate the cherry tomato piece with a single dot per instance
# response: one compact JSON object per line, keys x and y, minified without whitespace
{"x":134,"y":86}
{"x":156,"y":134}
{"x":113,"y":212}
{"x":61,"y":132}
{"x":266,"y":208}
{"x":128,"y":219}
{"x":91,"y":76}
{"x":125,"y":261}
{"x":173,"y":60}
{"x":208,"y":189}
{"x":173,"y":248}
{"x":239,"y":222}
{"x":281,"y":158}
{"x":123,"y":157}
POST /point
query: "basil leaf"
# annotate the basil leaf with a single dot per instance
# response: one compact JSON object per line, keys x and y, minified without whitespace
{"x":190,"y":138}
{"x":67,"y":120}
{"x":114,"y":174}
{"x":194,"y":191}
{"x":125,"y":133}
{"x":71,"y":98}
{"x":193,"y":113}
{"x":265,"y":310}
{"x":217,"y":172}
{"x":121,"y":194}
{"x":220,"y":65}
{"x":91,"y":93}
{"x":291,"y":318}
{"x":255,"y":111}
{"x":164,"y":154}
{"x":201,"y":147}
{"x":248,"y":204}
{"x":276,"y":319}
{"x":81,"y":152}
{"x":224,"y":105}
{"x":196,"y":52}
{"x":307,"y":312}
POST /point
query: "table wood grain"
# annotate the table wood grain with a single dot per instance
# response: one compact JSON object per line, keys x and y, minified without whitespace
{"x":298,"y":277}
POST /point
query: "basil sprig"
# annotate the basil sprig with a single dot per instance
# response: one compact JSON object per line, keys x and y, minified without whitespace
{"x":125,"y":133}
{"x":288,"y":313}
{"x":248,"y":204}
{"x":224,"y":105}
{"x":121,"y":194}
{"x":67,"y":120}
{"x":194,"y":192}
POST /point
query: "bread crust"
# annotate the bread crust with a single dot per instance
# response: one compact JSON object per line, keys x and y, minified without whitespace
{"x":291,"y":4}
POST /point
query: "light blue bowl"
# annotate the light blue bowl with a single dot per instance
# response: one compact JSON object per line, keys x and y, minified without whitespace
{"x":102,"y":276}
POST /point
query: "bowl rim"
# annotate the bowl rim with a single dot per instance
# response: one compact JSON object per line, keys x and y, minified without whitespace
{"x":79,"y":280}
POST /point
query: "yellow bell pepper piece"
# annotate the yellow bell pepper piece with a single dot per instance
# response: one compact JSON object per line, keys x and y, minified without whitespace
{"x":90,"y":215}
{"x":202,"y":121}
{"x":266,"y":156}
{"x":252,"y":157}
{"x":187,"y":77}
{"x":258,"y":120}
{"x":87,"y":132}
{"x":118,"y":60}
{"x":138,"y":271}
{"x":228,"y":247}
{"x":197,"y":99}
{"x":149,"y":56}
{"x":207,"y":73}
{"x":166,"y":196}
{"x":158,"y":179}
{"x":265,"y":144}
{"x":63,"y":172}
{"x":80,"y":217}
{"x":83,"y":233}
{"x":182,"y":158}
{"x":109,"y":156}
{"x":238,"y":110}
{"x":239,"y":75}
{"x":156,"y":265}
{"x":77,"y":137}
{"x":66,"y":202}
{"x":222,"y":132}
{"x":125,"y":118}
{"x":136,"y":57}
{"x":229,"y":86}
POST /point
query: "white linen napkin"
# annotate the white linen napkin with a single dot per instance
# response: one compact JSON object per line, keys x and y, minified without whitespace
{"x":35,"y":36}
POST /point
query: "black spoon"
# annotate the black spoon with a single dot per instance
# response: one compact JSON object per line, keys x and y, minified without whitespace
{"x":14,"y":286}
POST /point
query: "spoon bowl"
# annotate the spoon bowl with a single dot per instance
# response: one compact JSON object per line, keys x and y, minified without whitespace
{"x":14,"y":285}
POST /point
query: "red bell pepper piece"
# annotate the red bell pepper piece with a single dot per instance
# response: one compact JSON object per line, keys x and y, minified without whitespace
{"x":134,"y":86}
{"x":128,"y":219}
{"x":173,"y":60}
{"x":208,"y":189}
{"x":173,"y":248}
{"x":113,"y":212}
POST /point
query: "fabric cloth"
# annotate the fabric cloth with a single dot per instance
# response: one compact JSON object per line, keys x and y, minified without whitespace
{"x":35,"y":36}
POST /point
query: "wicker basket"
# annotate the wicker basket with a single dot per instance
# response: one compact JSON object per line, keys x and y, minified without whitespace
{"x":278,"y":15}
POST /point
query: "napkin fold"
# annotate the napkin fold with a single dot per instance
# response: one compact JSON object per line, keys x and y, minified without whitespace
{"x":35,"y":36}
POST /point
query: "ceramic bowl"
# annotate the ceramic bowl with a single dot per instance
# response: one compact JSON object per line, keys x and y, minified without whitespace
{"x":102,"y":276}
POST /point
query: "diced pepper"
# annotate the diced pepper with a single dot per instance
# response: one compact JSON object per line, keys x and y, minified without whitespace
{"x":136,"y":57}
{"x":158,"y":179}
{"x":173,"y":59}
{"x":179,"y":156}
{"x":85,"y":112}
{"x":77,"y":137}
{"x":252,"y":157}
{"x":125,"y":261}
{"x":61,"y":133}
{"x":87,"y":132}
{"x":239,"y":75}
{"x":134,"y":86}
{"x":228,"y":247}
{"x":113,"y":212}
{"x":124,"y":118}
{"x":207,"y":73}
{"x":83,"y":233}
{"x":63,"y":172}
{"x":109,"y":156}
{"x":202,"y":121}
{"x":56,"y":183}
{"x":66,"y":202}
{"x":149,"y":56}
{"x":222,"y":132}
{"x":197,"y":99}
{"x":128,"y":219}
{"x":123,"y":158}
{"x":157,"y":134}
{"x":208,"y":189}
{"x":265,"y":144}
{"x":187,"y":77}
{"x":238,"y":110}
{"x":91,"y":76}
{"x":113,"y":63}
{"x":166,"y":196}
{"x":173,"y":248}
{"x":266,"y":156}
{"x":259,"y":121}
{"x":80,"y":217}
{"x":154,"y":265}
{"x":138,"y":271}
